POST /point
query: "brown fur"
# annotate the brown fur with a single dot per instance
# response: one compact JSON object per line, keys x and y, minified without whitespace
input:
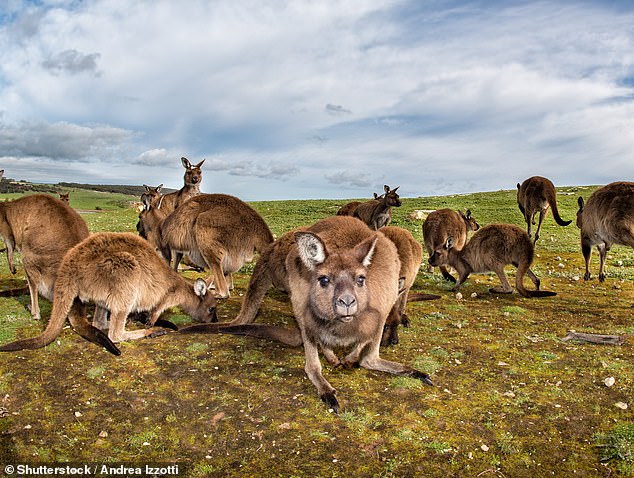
{"x":490,"y":249}
{"x":443,"y":224}
{"x":537,"y":194}
{"x":64,"y":197}
{"x":216,"y":231}
{"x":606,"y":219}
{"x":42,"y":229}
{"x":119,"y":272}
{"x":378,"y":212}
{"x":343,"y":282}
{"x":410,"y":254}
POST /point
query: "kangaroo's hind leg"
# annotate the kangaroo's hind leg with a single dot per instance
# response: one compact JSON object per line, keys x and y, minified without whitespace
{"x":506,"y":287}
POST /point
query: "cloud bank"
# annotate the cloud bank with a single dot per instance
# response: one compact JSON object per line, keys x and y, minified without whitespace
{"x":318,"y":99}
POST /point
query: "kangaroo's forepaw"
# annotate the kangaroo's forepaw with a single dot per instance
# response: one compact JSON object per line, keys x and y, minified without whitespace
{"x":423,"y":377}
{"x":329,"y":399}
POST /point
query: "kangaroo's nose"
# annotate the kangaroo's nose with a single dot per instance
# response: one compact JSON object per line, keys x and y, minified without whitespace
{"x":346,"y":304}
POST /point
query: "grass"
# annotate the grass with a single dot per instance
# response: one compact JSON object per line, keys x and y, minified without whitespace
{"x":511,"y":399}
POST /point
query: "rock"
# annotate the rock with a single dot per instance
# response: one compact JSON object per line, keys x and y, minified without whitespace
{"x":609,"y":381}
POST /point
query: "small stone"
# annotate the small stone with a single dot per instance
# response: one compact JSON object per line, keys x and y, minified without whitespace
{"x":609,"y":381}
{"x":576,"y":278}
{"x":103,"y":434}
{"x":78,"y":414}
{"x":621,"y":405}
{"x":560,"y":265}
{"x":459,"y":295}
{"x":484,"y":448}
{"x":474,"y":295}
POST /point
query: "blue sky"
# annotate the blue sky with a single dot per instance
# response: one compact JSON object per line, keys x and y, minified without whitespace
{"x":318,"y":99}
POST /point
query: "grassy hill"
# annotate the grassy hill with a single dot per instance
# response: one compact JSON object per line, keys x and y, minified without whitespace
{"x":511,"y":399}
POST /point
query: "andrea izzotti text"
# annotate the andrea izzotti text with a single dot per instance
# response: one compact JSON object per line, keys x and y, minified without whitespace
{"x":92,"y":470}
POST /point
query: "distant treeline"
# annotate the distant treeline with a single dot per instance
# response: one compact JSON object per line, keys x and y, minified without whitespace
{"x":107,"y":188}
{"x":8,"y":185}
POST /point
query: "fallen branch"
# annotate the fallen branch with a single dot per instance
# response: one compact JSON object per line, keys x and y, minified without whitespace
{"x":595,"y":338}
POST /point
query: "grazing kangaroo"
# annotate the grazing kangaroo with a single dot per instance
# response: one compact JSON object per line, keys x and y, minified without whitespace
{"x":490,"y":249}
{"x":42,"y":229}
{"x":217,"y":231}
{"x":445,"y":223}
{"x":378,"y":212}
{"x":343,"y":282}
{"x":410,"y":254}
{"x":606,"y":219}
{"x":538,"y":194}
{"x":122,"y":273}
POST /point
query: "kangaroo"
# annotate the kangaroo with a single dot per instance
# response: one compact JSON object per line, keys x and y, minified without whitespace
{"x":410,"y":254}
{"x":377,"y":212}
{"x":444,"y":223}
{"x":122,"y":273}
{"x":42,"y":229}
{"x":349,"y":208}
{"x":192,"y":179}
{"x":64,"y":197}
{"x":490,"y":249}
{"x":343,"y":282}
{"x":606,"y":219}
{"x":538,"y":194}
{"x":217,"y":231}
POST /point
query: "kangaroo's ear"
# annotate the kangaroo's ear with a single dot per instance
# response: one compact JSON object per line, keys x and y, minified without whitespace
{"x":365,"y":250}
{"x":312,"y":250}
{"x":518,"y":185}
{"x":395,"y":189}
{"x":186,"y":163}
{"x":376,"y":195}
{"x":200,"y":164}
{"x":386,"y":188}
{"x":146,"y":200}
{"x":449,"y":243}
{"x":158,"y":188}
{"x":468,"y":214}
{"x":581,"y":203}
{"x":200,"y":287}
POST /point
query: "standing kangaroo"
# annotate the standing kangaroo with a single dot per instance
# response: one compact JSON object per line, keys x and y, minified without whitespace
{"x":538,"y":194}
{"x":606,"y":219}
{"x":120,"y":272}
{"x":217,"y":231}
{"x":378,"y":212}
{"x":343,"y":282}
{"x":490,"y":249}
{"x":349,"y":208}
{"x":443,"y":224}
{"x":410,"y":254}
{"x":42,"y":229}
{"x":192,"y":179}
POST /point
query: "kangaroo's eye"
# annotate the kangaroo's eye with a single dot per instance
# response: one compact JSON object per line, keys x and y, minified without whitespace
{"x":361,"y":281}
{"x":323,"y":281}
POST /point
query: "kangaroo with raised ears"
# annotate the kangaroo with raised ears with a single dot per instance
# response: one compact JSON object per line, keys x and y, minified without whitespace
{"x":443,"y":224}
{"x":42,"y":229}
{"x":537,"y":194}
{"x":410,"y":254}
{"x":490,"y":249}
{"x":378,"y":212}
{"x":606,"y":219}
{"x":192,"y":179}
{"x":122,"y":273}
{"x":343,"y":282}
{"x":349,"y":208}
{"x":217,"y":231}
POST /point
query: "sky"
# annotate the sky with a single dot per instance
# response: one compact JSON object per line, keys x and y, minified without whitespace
{"x":316,"y":99}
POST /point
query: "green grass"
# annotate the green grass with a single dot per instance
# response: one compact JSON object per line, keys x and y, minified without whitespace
{"x":510,"y":398}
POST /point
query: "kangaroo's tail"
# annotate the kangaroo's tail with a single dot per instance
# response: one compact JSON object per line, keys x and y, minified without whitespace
{"x":281,"y":334}
{"x":553,"y":205}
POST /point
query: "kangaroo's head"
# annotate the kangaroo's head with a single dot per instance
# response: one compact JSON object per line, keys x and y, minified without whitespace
{"x":150,"y":219}
{"x":469,"y":221}
{"x":65,"y":197}
{"x":440,"y":255}
{"x":193,"y":173}
{"x":338,"y":290}
{"x":580,"y":212}
{"x":391,"y":197}
{"x":205,"y":310}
